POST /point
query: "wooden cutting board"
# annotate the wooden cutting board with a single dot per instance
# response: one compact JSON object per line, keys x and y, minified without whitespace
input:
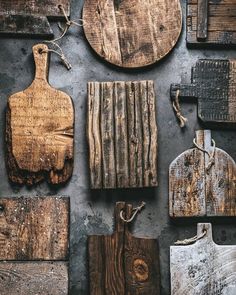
{"x":203,"y":267}
{"x":121,"y":264}
{"x":132,"y":33}
{"x":211,"y":22}
{"x":213,"y":84}
{"x":196,"y":191}
{"x":122,"y":134}
{"x":40,"y":129}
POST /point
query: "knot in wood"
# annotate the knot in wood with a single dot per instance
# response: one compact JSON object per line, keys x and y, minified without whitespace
{"x":141,"y":271}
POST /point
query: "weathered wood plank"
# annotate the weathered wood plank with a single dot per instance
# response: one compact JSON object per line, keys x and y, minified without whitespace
{"x":31,"y":278}
{"x":203,"y":267}
{"x":40,"y":130}
{"x":122,"y":134}
{"x":202,"y":20}
{"x":113,"y":30}
{"x":34,"y":228}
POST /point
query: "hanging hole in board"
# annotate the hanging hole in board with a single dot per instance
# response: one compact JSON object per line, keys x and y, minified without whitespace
{"x":40,"y":50}
{"x":1,"y":209}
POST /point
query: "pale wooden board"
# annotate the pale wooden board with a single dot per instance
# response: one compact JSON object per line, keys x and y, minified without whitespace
{"x":34,"y":228}
{"x":203,"y":268}
{"x":132,"y":33}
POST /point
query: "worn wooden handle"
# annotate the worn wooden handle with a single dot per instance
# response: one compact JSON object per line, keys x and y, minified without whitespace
{"x":41,"y":58}
{"x":184,"y":91}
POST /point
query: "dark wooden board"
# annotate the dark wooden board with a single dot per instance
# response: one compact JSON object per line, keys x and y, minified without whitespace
{"x":213,"y":84}
{"x":132,"y":33}
{"x":195,"y":191}
{"x":121,"y":264}
{"x":122,"y":134}
{"x":203,"y":268}
{"x":34,"y":228}
{"x":31,"y":278}
{"x":211,"y":23}
{"x":40,"y":130}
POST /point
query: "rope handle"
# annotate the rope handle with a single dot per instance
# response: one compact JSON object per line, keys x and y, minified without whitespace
{"x":211,"y":156}
{"x":193,"y":239}
{"x":135,"y":212}
{"x":177,"y":109}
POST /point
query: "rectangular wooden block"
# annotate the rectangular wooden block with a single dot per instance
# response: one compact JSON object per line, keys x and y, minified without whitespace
{"x":122,"y":134}
{"x":34,"y":228}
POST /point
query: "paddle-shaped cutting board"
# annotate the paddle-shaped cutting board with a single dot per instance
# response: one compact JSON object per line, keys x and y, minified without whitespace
{"x":121,"y":264}
{"x":132,"y":33}
{"x":196,"y":191}
{"x":40,"y":129}
{"x":203,"y":268}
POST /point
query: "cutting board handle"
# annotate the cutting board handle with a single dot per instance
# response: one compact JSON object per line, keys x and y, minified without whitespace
{"x":41,"y":58}
{"x":185,"y":91}
{"x":201,"y":227}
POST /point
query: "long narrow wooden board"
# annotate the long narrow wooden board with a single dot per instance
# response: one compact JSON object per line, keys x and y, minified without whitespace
{"x":121,"y":264}
{"x":122,"y":134}
{"x":31,"y":278}
{"x":217,"y":18}
{"x":195,"y":191}
{"x":213,"y":85}
{"x":132,"y":33}
{"x":203,"y":267}
{"x":34,"y":228}
{"x":40,"y":129}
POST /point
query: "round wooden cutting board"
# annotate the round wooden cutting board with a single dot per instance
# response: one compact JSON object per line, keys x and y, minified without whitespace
{"x":132,"y":33}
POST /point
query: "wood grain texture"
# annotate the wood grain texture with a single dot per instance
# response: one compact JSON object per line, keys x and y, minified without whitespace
{"x":122,"y":134}
{"x":31,"y":278}
{"x":219,"y":25}
{"x":132,"y":33}
{"x":203,"y":267}
{"x":34,"y":228}
{"x":196,"y":191}
{"x":213,"y":84}
{"x":40,"y":130}
{"x":122,"y":264}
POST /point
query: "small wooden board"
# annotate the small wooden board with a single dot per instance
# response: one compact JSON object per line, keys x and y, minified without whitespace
{"x":196,"y":191}
{"x":213,"y":84}
{"x":20,"y":17}
{"x":40,"y":129}
{"x":211,"y":22}
{"x":121,"y":264}
{"x":122,"y":134}
{"x":132,"y":33}
{"x":203,"y":267}
{"x":34,"y":228}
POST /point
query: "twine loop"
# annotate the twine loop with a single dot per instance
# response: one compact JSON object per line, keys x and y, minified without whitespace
{"x":135,"y":212}
{"x":210,"y":155}
{"x":177,"y":109}
{"x":193,"y":239}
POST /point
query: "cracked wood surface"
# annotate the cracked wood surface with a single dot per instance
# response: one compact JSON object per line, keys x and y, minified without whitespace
{"x":132,"y":33}
{"x":40,"y":130}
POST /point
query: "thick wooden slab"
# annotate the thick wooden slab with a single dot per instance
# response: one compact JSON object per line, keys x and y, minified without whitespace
{"x":31,"y":278}
{"x":213,"y":84}
{"x":195,"y":191}
{"x":34,"y":228}
{"x":122,"y":134}
{"x":211,"y":22}
{"x":132,"y":33}
{"x":121,"y":264}
{"x":40,"y":130}
{"x":204,"y":267}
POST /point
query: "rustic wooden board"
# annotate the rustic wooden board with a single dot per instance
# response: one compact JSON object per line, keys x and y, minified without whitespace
{"x":213,"y":84}
{"x":122,"y":134}
{"x":211,"y":22}
{"x":31,"y":278}
{"x":34,"y":228}
{"x":121,"y":264}
{"x":194,"y":191}
{"x":203,"y":267}
{"x":40,"y":130}
{"x":132,"y":33}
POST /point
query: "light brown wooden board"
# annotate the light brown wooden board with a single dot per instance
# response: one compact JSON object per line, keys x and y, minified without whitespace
{"x":194,"y":191}
{"x":122,"y":134}
{"x":34,"y":228}
{"x":34,"y":278}
{"x":121,"y":264}
{"x":40,"y":129}
{"x":203,"y":268}
{"x":132,"y":33}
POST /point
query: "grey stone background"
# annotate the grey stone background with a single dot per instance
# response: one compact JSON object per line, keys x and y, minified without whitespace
{"x":92,"y":211}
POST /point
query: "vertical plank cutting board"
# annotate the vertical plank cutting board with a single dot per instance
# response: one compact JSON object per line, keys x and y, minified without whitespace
{"x":196,"y":191}
{"x":121,"y":264}
{"x":203,"y":268}
{"x":40,"y":129}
